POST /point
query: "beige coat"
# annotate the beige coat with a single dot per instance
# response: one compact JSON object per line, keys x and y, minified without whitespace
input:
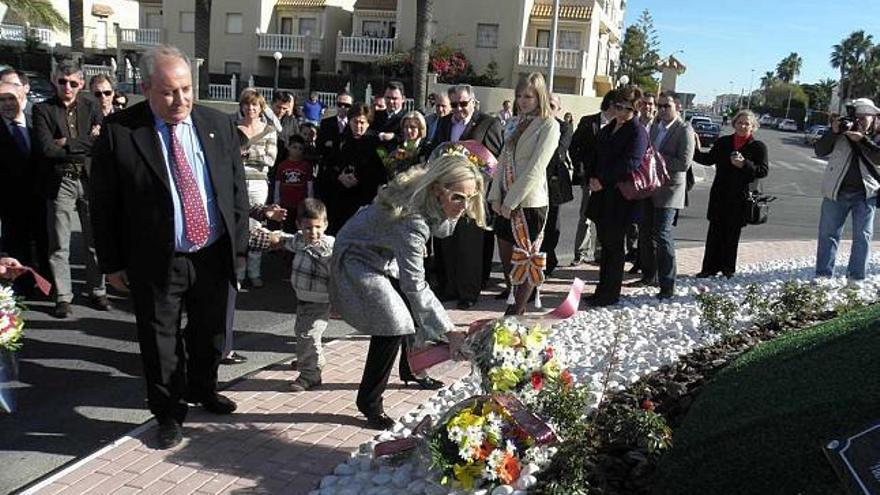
{"x":533,"y":152}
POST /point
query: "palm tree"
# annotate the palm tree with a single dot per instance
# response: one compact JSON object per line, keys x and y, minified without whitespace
{"x":38,"y":12}
{"x":421,"y":51}
{"x":848,"y":56}
{"x":789,"y":67}
{"x":823,"y":90}
{"x":203,"y":44}
{"x":76,"y":25}
{"x":768,"y":80}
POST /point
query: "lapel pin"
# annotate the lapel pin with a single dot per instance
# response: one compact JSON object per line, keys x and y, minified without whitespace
{"x":211,"y":135}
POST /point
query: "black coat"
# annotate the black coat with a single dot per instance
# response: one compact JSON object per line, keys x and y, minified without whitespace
{"x":583,"y":149}
{"x":618,"y":154}
{"x":17,"y":169}
{"x":558,"y":178}
{"x":131,"y":206}
{"x":482,"y":128}
{"x":329,"y":137}
{"x":727,"y":199}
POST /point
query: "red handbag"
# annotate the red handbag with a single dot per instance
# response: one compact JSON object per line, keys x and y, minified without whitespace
{"x":647,"y":179}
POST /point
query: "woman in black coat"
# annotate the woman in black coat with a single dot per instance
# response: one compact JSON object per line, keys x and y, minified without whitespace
{"x":620,"y":147}
{"x":351,"y":176}
{"x":739,"y":159}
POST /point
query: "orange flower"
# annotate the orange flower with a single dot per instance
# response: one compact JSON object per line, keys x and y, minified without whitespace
{"x":508,"y":471}
{"x":483,"y":451}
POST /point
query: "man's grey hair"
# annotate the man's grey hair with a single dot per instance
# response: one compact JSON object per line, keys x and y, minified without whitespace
{"x":460,"y":88}
{"x":68,"y":68}
{"x":147,"y":63}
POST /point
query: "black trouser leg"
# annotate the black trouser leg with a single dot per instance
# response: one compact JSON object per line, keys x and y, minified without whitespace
{"x":647,"y":243}
{"x":631,"y":234}
{"x":488,"y":254}
{"x":551,"y":238}
{"x":377,"y":369}
{"x":463,"y":251}
{"x":611,"y":236}
{"x":714,"y":248}
{"x":731,"y":248}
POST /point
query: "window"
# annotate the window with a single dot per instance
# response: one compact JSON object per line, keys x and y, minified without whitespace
{"x":232,"y":68}
{"x":234,"y":23}
{"x":308,"y":25}
{"x":543,"y":39}
{"x":187,"y":22}
{"x":487,"y":35}
{"x":154,"y":20}
{"x":569,"y":40}
{"x":392,"y":29}
{"x":286,"y":26}
{"x":372,"y":29}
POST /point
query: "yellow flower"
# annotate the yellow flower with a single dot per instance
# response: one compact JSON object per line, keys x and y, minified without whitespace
{"x":465,"y":420}
{"x":466,"y":473}
{"x":536,"y":338}
{"x":551,"y":369}
{"x":504,"y":378}
{"x":504,"y":337}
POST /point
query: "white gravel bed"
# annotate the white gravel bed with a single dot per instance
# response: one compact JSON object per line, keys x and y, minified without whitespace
{"x":652,"y":334}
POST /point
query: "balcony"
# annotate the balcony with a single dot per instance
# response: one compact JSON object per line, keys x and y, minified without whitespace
{"x":363,"y":48}
{"x":139,"y":38}
{"x":288,"y":44}
{"x":568,"y":62}
{"x":11,"y":32}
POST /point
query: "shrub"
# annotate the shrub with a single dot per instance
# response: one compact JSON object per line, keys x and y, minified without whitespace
{"x":718,"y":313}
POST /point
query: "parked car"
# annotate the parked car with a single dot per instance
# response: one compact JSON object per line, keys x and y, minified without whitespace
{"x":41,"y":88}
{"x":699,"y":119}
{"x":765,"y":119}
{"x":814,"y":133}
{"x":788,"y":125}
{"x":708,"y":132}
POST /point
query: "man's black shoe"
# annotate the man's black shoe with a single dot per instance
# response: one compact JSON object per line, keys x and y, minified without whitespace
{"x":169,"y":435}
{"x":101,"y":303}
{"x":216,"y":403}
{"x":379,"y":421}
{"x":665,"y":295}
{"x":62,"y":310}
{"x":233,"y":358}
{"x":465,"y":304}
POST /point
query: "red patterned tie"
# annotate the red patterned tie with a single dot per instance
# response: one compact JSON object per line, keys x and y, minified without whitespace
{"x":194,"y":218}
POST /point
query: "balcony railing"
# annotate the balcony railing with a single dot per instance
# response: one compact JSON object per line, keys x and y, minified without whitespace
{"x":140,"y":37}
{"x":540,"y":57}
{"x":90,"y":70}
{"x":364,"y":46}
{"x":287,"y":43}
{"x":12,"y":32}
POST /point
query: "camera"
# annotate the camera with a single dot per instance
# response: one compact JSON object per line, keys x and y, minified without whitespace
{"x":849,"y":121}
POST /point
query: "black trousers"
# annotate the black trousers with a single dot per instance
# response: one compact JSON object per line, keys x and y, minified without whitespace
{"x":551,"y":238}
{"x":24,"y":235}
{"x":182,"y":362}
{"x":611,"y":231}
{"x":722,"y":244}
{"x":465,"y":260}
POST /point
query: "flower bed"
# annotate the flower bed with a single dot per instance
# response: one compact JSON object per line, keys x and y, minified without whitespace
{"x":606,"y":349}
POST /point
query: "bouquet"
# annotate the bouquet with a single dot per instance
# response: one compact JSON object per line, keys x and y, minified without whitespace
{"x":402,"y":158}
{"x":11,"y":321}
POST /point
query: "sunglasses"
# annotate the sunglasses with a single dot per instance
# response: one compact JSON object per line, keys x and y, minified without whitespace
{"x":623,"y":107}
{"x":664,"y":105}
{"x":460,"y":198}
{"x":72,"y":82}
{"x":343,"y":105}
{"x":459,"y":104}
{"x":103,"y":93}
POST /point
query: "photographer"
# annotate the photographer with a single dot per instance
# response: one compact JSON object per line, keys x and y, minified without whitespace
{"x":850,"y":184}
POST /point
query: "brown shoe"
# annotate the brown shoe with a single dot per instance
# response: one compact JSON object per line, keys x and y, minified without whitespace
{"x":62,"y":310}
{"x":101,"y":303}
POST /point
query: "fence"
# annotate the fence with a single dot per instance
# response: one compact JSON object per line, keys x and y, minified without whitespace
{"x":90,"y":70}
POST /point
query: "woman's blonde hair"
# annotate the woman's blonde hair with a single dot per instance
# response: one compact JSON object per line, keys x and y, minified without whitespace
{"x":251,"y":95}
{"x":747,"y":114}
{"x":414,"y":191}
{"x":418,"y":119}
{"x":535,"y":82}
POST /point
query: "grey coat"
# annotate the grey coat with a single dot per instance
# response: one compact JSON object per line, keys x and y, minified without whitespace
{"x":677,"y":149}
{"x":373,"y":251}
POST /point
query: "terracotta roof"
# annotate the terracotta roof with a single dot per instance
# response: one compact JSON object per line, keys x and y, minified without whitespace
{"x":101,"y":10}
{"x":301,"y":3}
{"x":572,"y":12}
{"x":376,"y":4}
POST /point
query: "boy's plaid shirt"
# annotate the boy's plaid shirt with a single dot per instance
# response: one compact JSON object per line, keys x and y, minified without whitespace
{"x":310,"y":270}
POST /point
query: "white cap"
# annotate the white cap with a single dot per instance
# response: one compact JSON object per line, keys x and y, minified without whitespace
{"x":865,"y":106}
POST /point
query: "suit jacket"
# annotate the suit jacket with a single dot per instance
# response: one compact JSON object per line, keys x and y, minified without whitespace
{"x":677,"y":149}
{"x":532,"y":152}
{"x":558,"y":178}
{"x":131,"y":204}
{"x":50,"y":123}
{"x":583,"y":147}
{"x":16,"y":169}
{"x":328,"y":132}
{"x":483,"y":128}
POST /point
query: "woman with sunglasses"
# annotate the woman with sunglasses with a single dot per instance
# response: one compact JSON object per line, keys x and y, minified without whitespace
{"x":377,"y":281}
{"x":620,"y":147}
{"x":518,"y":193}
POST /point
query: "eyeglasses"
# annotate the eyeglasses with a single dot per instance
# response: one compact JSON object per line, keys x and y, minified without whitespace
{"x":107,"y":93}
{"x":72,"y":82}
{"x":618,"y":106}
{"x":343,"y":104}
{"x":664,"y":105}
{"x":459,"y":104}
{"x":460,"y":198}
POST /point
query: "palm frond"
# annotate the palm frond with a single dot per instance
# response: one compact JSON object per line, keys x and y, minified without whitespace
{"x":38,"y":13}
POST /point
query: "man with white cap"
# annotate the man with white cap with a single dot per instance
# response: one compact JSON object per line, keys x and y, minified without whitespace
{"x":850,"y":185}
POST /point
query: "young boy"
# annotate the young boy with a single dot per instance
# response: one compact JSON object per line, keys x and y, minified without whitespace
{"x":294,"y":179}
{"x":310,"y":275}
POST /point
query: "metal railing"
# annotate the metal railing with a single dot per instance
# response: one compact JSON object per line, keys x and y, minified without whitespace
{"x":12,"y":32}
{"x":90,"y":70}
{"x":140,"y":37}
{"x":533,"y":56}
{"x":365,"y":46}
{"x":287,"y":43}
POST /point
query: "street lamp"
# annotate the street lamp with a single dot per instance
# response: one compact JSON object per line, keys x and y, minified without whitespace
{"x":277,"y":56}
{"x":623,"y":80}
{"x":751,"y":80}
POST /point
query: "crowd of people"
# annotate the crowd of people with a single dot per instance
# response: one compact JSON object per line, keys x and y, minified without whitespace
{"x":380,"y":214}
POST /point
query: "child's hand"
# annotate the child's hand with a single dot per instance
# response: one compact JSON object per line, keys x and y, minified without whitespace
{"x":275,"y":213}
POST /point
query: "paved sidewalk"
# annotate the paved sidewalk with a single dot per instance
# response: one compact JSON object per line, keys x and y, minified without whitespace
{"x":283,"y":443}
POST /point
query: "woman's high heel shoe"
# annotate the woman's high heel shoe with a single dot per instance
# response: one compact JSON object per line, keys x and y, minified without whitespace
{"x":425,"y":383}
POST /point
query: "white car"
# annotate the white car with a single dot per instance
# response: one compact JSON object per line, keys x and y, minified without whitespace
{"x":699,"y":119}
{"x":788,"y":125}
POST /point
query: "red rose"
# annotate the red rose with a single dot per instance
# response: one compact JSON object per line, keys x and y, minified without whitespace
{"x":548,"y":354}
{"x":537,"y":380}
{"x":567,"y":379}
{"x":647,"y":405}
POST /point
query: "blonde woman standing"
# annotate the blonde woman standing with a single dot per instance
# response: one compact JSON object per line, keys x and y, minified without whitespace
{"x":518,"y":194}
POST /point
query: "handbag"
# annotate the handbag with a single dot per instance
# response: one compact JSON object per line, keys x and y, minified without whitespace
{"x":757,"y":208}
{"x":647,"y":179}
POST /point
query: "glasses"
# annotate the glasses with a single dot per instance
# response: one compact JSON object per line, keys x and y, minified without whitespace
{"x":459,"y":104}
{"x":107,"y":94}
{"x":460,"y":198}
{"x":343,"y":105}
{"x":664,"y":105}
{"x":72,"y":82}
{"x":618,"y":106}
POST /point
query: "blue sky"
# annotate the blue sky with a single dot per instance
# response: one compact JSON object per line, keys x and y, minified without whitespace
{"x":723,"y":40}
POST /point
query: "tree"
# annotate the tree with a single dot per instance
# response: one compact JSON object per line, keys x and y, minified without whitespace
{"x":421,"y":52}
{"x":76,"y":25}
{"x":639,"y":52}
{"x":38,"y":12}
{"x":203,"y":44}
{"x":768,"y":80}
{"x":789,"y":67}
{"x":847,"y":56}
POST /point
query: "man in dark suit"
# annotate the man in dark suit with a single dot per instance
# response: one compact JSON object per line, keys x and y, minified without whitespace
{"x":171,"y":217}
{"x":65,"y":127}
{"x":285,"y":123}
{"x":387,"y":123}
{"x":558,"y":187}
{"x":464,"y":259}
{"x":333,"y":129}
{"x":22,"y":209}
{"x":583,"y":157}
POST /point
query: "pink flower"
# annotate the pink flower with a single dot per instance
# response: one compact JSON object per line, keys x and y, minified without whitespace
{"x":537,"y":380}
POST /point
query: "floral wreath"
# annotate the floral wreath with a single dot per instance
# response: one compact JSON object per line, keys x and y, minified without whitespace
{"x":476,"y":154}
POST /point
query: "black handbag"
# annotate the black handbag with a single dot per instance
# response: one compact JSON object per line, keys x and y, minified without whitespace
{"x":757,"y":208}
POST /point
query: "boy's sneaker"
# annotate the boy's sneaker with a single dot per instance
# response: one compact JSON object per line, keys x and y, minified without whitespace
{"x":301,"y":384}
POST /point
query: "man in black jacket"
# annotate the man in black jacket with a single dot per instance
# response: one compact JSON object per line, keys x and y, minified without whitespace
{"x":170,"y":212}
{"x":387,"y":123}
{"x":462,"y":269}
{"x":333,"y":129}
{"x":65,"y":127}
{"x":558,"y":187}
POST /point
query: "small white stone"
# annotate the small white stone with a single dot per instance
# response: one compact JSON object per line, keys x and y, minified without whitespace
{"x":502,"y":490}
{"x":382,"y":479}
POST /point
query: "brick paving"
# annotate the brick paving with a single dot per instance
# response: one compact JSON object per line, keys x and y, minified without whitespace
{"x":283,"y":442}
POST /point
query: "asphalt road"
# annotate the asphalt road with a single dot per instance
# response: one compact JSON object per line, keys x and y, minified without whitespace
{"x":80,"y":379}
